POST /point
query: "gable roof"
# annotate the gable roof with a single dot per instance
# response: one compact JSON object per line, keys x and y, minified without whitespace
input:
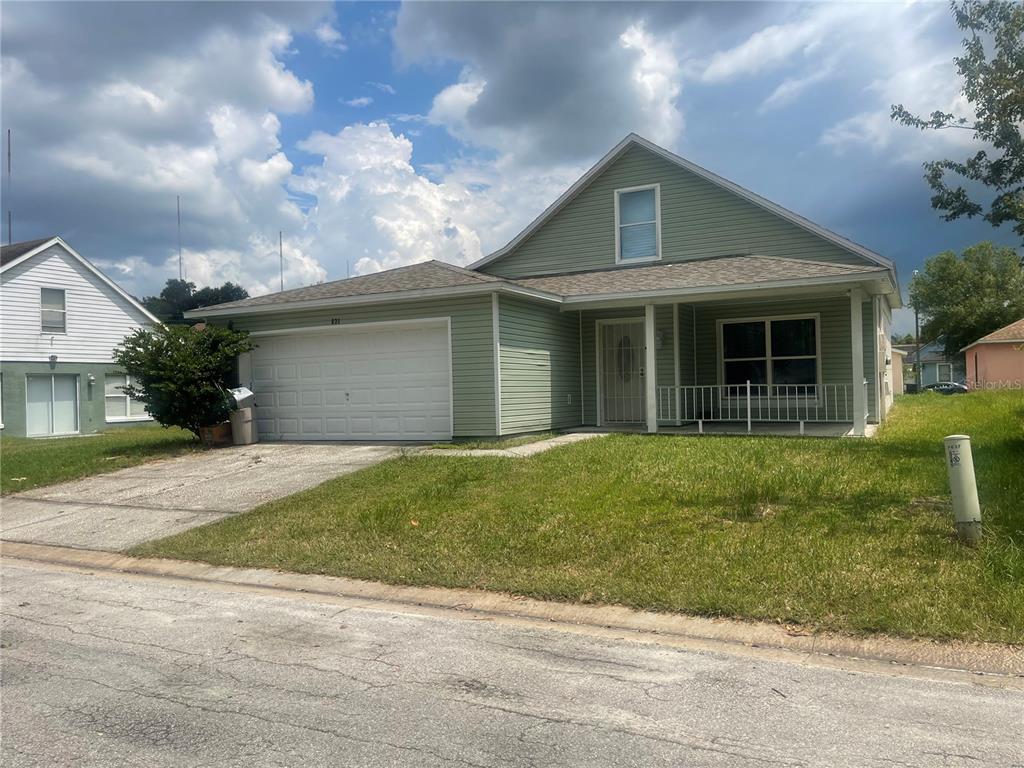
{"x":9,"y":253}
{"x":16,"y":253}
{"x":634,"y":139}
{"x":1014,"y":332}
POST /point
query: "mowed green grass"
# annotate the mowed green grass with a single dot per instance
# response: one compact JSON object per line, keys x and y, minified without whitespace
{"x":29,"y":463}
{"x":839,"y":534}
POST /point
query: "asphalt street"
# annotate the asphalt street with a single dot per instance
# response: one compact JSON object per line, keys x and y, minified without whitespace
{"x":102,"y":669}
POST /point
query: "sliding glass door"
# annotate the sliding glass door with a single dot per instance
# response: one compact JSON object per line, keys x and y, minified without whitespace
{"x":51,"y":405}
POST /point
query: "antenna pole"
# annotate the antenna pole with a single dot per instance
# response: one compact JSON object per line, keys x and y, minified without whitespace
{"x":280,"y":251}
{"x":181,"y":271}
{"x":10,"y":236}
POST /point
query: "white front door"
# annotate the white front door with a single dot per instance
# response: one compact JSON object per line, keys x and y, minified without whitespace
{"x":621,"y":371}
{"x":51,"y":406}
{"x":384,"y":382}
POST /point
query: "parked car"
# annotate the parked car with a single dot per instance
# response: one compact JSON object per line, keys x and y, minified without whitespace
{"x":947,"y":388}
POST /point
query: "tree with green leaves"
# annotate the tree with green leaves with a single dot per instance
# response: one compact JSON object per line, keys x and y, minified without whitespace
{"x":906,"y":338}
{"x":179,"y":296}
{"x":962,"y":298}
{"x":992,"y":71}
{"x":182,"y":373}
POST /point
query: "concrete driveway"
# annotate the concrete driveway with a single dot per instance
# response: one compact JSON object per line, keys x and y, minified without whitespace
{"x":118,"y":510}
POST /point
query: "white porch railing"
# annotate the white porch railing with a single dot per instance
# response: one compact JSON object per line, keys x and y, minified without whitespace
{"x":757,"y":403}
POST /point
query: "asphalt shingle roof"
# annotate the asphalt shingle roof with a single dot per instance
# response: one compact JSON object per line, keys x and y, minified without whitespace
{"x":9,"y":253}
{"x":1012,"y":332}
{"x":722,"y":272}
{"x":706,"y":273}
{"x":427,"y":274}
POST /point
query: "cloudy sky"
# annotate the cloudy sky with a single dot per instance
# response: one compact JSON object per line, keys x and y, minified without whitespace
{"x":376,"y":135}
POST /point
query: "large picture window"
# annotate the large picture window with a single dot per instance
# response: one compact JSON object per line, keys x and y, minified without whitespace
{"x":637,"y":237}
{"x":773,"y":351}
{"x":120,"y":407}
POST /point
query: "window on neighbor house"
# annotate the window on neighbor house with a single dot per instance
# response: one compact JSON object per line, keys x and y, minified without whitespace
{"x":636,"y":212}
{"x":53,"y":312}
{"x":118,"y":405}
{"x":770,"y":351}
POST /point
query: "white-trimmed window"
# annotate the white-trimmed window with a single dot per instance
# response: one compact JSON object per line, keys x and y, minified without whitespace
{"x":944,"y":371}
{"x":770,"y":350}
{"x":53,"y":310}
{"x":120,"y":407}
{"x":638,"y":224}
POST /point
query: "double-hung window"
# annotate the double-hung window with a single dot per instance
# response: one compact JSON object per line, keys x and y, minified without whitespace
{"x":638,"y":224}
{"x":772,"y":351}
{"x":53,"y":310}
{"x":120,"y":407}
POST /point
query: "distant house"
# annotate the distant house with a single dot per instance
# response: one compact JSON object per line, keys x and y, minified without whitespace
{"x":996,"y":361}
{"x":652,"y":295}
{"x":936,"y":365}
{"x":899,"y":360}
{"x":60,"y":319}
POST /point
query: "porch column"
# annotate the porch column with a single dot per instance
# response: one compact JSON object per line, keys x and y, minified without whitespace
{"x":650,"y":372}
{"x":860,"y":403}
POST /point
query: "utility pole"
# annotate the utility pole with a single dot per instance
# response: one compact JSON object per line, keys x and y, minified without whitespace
{"x":917,"y":344}
{"x":280,"y":252}
{"x":181,"y":271}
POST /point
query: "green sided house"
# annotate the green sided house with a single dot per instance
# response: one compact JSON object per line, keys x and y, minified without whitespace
{"x":652,"y":295}
{"x":60,"y":319}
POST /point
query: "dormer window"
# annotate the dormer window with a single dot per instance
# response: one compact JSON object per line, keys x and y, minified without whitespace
{"x":53,"y":314}
{"x":638,"y":224}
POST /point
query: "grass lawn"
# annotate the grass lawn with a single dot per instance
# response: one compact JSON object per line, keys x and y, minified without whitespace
{"x":499,"y":444}
{"x":841,"y":534}
{"x":28,"y":463}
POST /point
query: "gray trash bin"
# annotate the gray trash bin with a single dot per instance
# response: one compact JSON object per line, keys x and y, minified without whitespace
{"x":243,"y":427}
{"x":244,"y":398}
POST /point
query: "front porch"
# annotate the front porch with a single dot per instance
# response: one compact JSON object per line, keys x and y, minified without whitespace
{"x":802,"y":365}
{"x":763,"y":428}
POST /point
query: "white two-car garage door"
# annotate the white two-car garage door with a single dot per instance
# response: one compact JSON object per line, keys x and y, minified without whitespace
{"x":375,"y":382}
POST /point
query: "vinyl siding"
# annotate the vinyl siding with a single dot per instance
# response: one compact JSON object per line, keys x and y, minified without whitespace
{"x":698,"y":220}
{"x":869,"y":337}
{"x":540,"y":367}
{"x":97,"y":320}
{"x":472,"y":347}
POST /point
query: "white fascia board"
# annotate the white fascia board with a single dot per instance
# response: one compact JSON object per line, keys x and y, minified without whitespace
{"x":714,"y":178}
{"x":29,"y":254}
{"x":711,"y":293}
{"x":990,"y":341}
{"x":421,"y":294}
{"x":88,"y":265}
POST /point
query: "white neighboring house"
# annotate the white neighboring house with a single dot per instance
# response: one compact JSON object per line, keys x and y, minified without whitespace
{"x":60,"y":319}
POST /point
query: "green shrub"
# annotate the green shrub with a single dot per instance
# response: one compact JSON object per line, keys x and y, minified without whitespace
{"x":182,"y":373}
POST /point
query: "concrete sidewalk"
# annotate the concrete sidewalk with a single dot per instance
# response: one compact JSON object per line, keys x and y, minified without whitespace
{"x":518,"y":451}
{"x":120,"y":509}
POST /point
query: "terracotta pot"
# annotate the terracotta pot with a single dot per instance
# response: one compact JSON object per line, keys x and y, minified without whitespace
{"x":216,"y":436}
